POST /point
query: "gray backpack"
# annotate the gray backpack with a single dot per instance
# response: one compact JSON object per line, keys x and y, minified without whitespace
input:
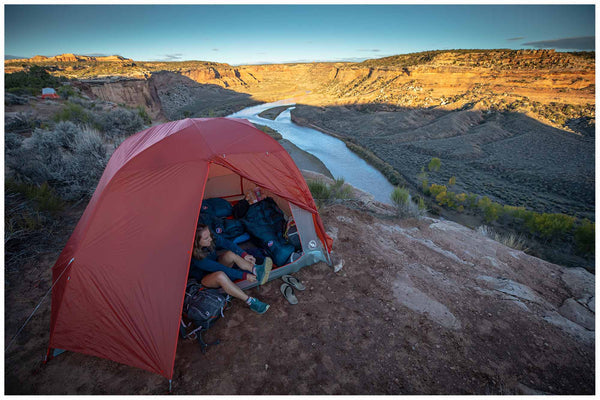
{"x":202,"y":308}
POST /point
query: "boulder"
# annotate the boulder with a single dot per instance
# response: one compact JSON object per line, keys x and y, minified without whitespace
{"x":579,"y":282}
{"x":578,"y":313}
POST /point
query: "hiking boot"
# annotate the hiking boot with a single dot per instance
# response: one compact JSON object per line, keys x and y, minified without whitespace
{"x":258,"y":306}
{"x":263,"y":271}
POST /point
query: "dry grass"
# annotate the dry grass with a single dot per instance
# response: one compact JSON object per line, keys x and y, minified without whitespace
{"x":511,"y":240}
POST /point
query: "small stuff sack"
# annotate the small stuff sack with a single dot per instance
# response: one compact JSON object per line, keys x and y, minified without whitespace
{"x":203,"y":307}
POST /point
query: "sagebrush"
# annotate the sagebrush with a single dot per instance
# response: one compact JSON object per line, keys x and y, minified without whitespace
{"x":70,"y":158}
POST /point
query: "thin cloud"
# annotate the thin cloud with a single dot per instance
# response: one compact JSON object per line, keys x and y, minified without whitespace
{"x":516,"y":38}
{"x":215,"y":49}
{"x":10,"y":57}
{"x":96,"y":55}
{"x":172,"y":57}
{"x":370,"y":50}
{"x":576,"y":43}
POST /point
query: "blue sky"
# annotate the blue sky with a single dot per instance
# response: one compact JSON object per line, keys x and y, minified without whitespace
{"x":253,"y":34}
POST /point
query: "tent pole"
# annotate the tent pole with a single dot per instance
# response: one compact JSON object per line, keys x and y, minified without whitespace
{"x":170,"y":386}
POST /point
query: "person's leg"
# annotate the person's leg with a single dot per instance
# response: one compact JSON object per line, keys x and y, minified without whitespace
{"x":207,"y":265}
{"x":258,"y":254}
{"x":229,"y":258}
{"x":220,"y":279}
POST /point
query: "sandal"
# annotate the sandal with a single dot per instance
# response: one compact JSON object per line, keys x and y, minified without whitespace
{"x":288,"y":293}
{"x":292,"y":281}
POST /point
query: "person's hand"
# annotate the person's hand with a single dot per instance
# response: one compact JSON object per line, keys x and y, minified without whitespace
{"x":250,"y":258}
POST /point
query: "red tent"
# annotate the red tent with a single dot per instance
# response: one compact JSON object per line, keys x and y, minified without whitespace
{"x":120,"y":280}
{"x":49,"y":93}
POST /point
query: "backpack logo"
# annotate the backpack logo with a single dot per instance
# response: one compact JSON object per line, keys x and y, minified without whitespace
{"x":219,"y":230}
{"x":270,"y":243}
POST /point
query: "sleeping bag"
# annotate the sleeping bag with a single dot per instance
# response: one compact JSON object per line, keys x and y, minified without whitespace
{"x":265,"y":222}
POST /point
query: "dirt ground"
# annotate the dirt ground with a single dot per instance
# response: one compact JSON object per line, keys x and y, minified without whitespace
{"x":420,"y":307}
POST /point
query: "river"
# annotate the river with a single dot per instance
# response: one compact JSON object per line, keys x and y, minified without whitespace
{"x":342,"y":162}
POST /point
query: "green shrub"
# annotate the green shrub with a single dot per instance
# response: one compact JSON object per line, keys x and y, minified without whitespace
{"x":325,"y":194}
{"x":585,"y":237}
{"x":46,"y":199}
{"x":144,"y":115}
{"x":521,"y":216}
{"x":434,"y":164}
{"x":550,"y":225}
{"x":421,"y":204}
{"x":484,"y":202}
{"x":442,"y":198}
{"x":471,"y":201}
{"x":425,"y":188}
{"x":400,"y":196}
{"x":435,"y":189}
{"x":339,"y":190}
{"x":492,"y":212}
{"x":74,"y":113}
{"x":461,"y":198}
{"x":66,"y":91}
{"x":43,"y":196}
{"x":320,"y":192}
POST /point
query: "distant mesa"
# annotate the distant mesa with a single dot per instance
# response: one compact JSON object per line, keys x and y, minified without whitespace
{"x":69,"y":57}
{"x":38,"y":58}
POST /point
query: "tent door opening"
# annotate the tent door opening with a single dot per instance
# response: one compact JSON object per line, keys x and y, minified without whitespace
{"x":226,"y":184}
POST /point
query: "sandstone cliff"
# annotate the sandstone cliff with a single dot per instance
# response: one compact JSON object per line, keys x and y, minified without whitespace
{"x":556,"y":88}
{"x":69,"y":57}
{"x":132,"y":93}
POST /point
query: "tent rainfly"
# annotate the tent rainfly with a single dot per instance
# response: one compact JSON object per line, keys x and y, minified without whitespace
{"x":119,"y":283}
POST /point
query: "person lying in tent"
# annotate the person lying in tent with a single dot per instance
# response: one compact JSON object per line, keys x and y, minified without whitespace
{"x":215,"y":271}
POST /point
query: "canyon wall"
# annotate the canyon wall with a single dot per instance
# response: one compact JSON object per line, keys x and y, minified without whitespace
{"x":555,"y":88}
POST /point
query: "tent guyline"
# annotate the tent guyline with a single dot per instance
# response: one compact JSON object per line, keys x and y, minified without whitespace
{"x":38,"y":306}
